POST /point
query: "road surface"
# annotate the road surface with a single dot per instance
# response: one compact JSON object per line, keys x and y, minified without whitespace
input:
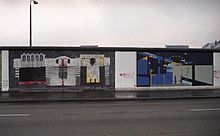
{"x":186,"y":117}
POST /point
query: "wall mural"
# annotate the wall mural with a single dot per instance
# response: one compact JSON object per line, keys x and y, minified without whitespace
{"x":74,"y":69}
{"x":95,"y":68}
{"x":216,"y":71}
{"x":0,"y":69}
{"x":174,"y":68}
{"x":84,"y":69}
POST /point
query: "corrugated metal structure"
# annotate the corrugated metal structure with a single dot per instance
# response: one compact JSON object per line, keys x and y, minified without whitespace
{"x":78,"y":69}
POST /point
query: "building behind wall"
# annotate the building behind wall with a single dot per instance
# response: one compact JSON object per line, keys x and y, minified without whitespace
{"x":214,"y":45}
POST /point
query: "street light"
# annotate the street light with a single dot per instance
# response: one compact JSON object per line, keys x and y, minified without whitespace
{"x":35,"y":2}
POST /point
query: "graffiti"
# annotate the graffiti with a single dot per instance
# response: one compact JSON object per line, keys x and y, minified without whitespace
{"x":217,"y":74}
{"x":127,"y":75}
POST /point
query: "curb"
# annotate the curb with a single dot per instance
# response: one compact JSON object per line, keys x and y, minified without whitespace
{"x":10,"y":97}
{"x":105,"y":99}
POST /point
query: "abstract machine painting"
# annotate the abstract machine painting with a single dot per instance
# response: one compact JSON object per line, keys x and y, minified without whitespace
{"x":174,"y":68}
{"x":72,"y":69}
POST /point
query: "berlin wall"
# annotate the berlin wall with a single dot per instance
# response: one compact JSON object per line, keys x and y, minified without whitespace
{"x":106,"y":68}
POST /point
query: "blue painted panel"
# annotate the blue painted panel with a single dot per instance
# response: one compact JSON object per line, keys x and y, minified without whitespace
{"x":169,"y":78}
{"x":142,"y":67}
{"x":143,"y":81}
{"x":160,"y":58}
{"x":157,"y":79}
{"x":158,"y":69}
{"x":162,"y":79}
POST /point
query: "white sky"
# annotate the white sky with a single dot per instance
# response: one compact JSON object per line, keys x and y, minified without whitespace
{"x":142,"y":23}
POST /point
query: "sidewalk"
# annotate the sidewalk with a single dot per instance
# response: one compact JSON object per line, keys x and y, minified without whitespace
{"x":126,"y":94}
{"x":55,"y":96}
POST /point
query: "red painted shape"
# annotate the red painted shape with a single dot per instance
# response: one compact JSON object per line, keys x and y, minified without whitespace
{"x":32,"y":82}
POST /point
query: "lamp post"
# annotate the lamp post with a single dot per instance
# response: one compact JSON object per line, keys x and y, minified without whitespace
{"x":35,"y":2}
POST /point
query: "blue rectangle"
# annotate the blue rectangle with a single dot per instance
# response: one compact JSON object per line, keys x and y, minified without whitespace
{"x":169,"y":78}
{"x":143,"y":81}
{"x":142,"y":67}
{"x":157,"y":79}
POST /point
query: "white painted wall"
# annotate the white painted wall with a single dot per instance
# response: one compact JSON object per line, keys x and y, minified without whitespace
{"x":71,"y":77}
{"x":204,"y":73}
{"x":125,"y":69}
{"x":216,"y":69}
{"x":5,"y":70}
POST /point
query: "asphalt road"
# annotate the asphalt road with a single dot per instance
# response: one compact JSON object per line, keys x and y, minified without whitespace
{"x":200,"y":117}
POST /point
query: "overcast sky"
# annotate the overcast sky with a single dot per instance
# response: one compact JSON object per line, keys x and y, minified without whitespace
{"x":148,"y":23}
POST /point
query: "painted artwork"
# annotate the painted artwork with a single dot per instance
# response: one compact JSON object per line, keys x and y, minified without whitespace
{"x":174,"y":68}
{"x":67,"y":69}
{"x":1,"y":69}
{"x":216,"y":69}
{"x":86,"y":69}
{"x":95,"y":69}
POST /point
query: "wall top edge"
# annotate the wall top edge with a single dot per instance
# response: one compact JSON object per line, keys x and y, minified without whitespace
{"x":14,"y":48}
